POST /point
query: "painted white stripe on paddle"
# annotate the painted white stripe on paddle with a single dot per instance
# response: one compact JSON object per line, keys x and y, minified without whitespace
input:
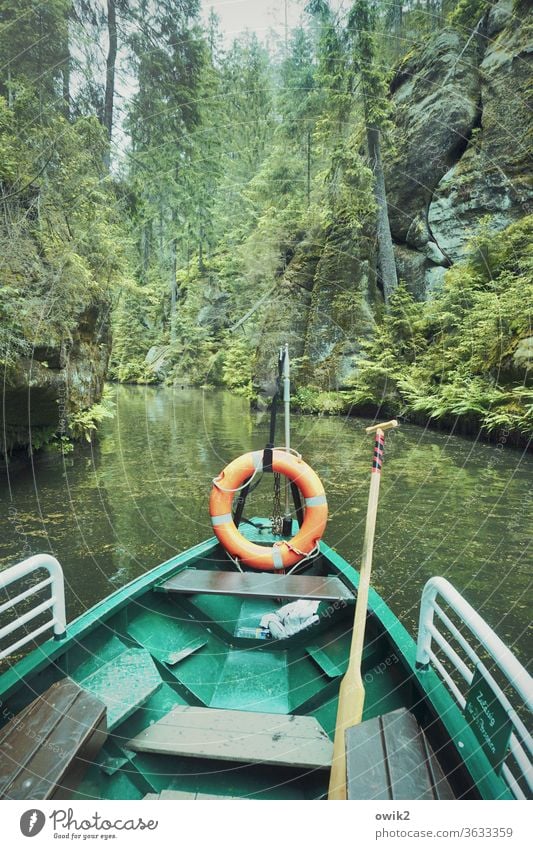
{"x":277,"y":558}
{"x":258,"y":460}
{"x":221,"y":520}
{"x":315,"y":501}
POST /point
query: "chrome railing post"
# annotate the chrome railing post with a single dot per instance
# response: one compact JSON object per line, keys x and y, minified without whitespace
{"x":56,"y":602}
{"x":425,"y":621}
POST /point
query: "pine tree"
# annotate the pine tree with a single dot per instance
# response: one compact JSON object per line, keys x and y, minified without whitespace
{"x":361,"y":22}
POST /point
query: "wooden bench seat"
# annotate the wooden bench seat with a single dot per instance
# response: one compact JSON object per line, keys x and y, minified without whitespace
{"x":260,"y":585}
{"x":389,"y":757}
{"x":186,"y":796}
{"x":235,"y":735}
{"x":45,"y":749}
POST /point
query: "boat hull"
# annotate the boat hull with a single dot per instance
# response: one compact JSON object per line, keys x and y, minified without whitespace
{"x":146,"y":652}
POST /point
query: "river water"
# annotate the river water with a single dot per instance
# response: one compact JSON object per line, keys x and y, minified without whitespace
{"x":109,"y":512}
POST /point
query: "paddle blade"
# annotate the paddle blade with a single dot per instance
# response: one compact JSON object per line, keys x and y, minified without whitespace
{"x":350,"y":712}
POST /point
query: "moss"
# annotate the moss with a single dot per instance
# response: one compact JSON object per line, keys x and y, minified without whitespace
{"x":467,"y":13}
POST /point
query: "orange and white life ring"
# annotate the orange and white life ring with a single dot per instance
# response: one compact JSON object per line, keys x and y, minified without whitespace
{"x":283,"y":554}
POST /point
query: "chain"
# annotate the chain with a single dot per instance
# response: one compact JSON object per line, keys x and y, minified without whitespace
{"x":277,"y":518}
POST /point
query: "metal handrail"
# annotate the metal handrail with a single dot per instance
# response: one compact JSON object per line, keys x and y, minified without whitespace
{"x":521,"y":742}
{"x":56,"y":602}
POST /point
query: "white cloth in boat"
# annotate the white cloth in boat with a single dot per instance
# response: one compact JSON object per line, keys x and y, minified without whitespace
{"x":291,"y":618}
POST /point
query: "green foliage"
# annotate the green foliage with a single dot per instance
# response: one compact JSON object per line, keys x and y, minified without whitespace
{"x":452,"y":356}
{"x":308,"y":399}
{"x":237,"y":366}
{"x":468,"y":13}
{"x":83,"y":424}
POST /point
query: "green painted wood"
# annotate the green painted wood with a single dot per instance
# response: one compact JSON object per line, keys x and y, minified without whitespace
{"x":79,"y":629}
{"x":253,"y":681}
{"x":246,"y":737}
{"x":167,"y":634}
{"x":184,"y":795}
{"x":124,"y":684}
{"x":401,"y":684}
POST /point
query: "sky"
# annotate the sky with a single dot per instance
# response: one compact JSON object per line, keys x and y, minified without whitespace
{"x":261,"y":16}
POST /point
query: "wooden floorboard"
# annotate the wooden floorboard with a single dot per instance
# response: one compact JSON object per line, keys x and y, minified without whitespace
{"x":297,"y":741}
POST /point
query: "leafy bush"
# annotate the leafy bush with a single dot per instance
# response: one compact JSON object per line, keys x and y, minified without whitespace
{"x":237,"y":367}
{"x":452,"y":356}
{"x":84,"y":424}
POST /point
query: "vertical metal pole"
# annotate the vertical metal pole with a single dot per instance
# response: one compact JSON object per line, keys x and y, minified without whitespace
{"x":287,"y":397}
{"x":287,"y":523}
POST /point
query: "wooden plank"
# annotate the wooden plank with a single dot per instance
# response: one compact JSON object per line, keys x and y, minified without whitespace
{"x":388,"y":757}
{"x":233,"y":735}
{"x":49,"y":745}
{"x":260,"y":585}
{"x":184,"y":795}
{"x":181,"y":794}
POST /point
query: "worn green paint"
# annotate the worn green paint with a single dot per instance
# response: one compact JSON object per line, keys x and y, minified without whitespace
{"x":184,"y":651}
{"x":488,"y":719}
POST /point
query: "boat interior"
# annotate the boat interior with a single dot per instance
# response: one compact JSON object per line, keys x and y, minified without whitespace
{"x":174,"y":647}
{"x":155,"y":693}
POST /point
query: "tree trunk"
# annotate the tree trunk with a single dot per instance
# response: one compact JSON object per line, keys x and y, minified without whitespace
{"x":386,"y":262}
{"x":201,"y":266}
{"x":9,"y":88}
{"x":173,"y":281}
{"x":65,"y":72}
{"x":398,"y":25}
{"x":110,"y":72}
{"x":145,"y":250}
{"x":308,"y":169}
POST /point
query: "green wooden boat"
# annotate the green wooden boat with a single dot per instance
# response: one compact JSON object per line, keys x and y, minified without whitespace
{"x":162,"y":690}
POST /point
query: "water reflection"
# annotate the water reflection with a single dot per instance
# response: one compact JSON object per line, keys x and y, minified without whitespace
{"x":110,"y":512}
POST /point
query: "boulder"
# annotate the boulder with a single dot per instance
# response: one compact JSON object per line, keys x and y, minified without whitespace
{"x":523,"y":355}
{"x":436,"y":99}
{"x":56,"y":379}
{"x":491,"y":183}
{"x":158,"y":360}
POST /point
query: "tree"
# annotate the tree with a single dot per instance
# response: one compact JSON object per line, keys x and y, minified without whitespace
{"x":33,"y":39}
{"x":168,"y":56}
{"x":361,"y":22}
{"x":110,"y":71}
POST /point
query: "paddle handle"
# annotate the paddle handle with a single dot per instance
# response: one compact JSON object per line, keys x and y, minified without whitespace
{"x":352,"y":691}
{"x":383,"y":427}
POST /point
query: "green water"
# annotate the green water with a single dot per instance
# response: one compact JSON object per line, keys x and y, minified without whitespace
{"x":109,"y":512}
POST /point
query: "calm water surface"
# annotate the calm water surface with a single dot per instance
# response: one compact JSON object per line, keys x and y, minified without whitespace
{"x":110,"y":512}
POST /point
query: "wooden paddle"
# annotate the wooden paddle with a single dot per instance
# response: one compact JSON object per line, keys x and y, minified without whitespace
{"x":352,"y":691}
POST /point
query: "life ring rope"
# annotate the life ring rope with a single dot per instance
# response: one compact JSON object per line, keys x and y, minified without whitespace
{"x":238,"y":488}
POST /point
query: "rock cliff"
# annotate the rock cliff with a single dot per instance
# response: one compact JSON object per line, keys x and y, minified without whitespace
{"x":460,"y":162}
{"x":462,"y":124}
{"x":54,"y":380}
